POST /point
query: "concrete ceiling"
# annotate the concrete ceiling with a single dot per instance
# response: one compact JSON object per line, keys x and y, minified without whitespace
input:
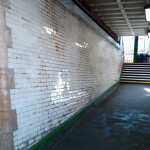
{"x":124,"y":17}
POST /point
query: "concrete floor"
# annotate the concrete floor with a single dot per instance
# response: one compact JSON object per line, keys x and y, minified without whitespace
{"x":122,"y":122}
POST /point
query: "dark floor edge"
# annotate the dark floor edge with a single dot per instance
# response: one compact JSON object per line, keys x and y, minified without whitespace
{"x":58,"y":132}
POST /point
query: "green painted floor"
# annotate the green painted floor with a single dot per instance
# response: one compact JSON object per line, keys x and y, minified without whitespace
{"x":122,"y":122}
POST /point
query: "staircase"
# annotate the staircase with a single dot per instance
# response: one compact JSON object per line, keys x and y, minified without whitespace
{"x":136,"y":73}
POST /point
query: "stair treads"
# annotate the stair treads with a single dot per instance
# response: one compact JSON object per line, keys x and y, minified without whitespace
{"x":130,"y":79}
{"x":135,"y":74}
{"x":131,"y":71}
{"x":136,"y":69}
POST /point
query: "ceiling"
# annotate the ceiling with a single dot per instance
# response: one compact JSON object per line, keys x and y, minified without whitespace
{"x":124,"y":17}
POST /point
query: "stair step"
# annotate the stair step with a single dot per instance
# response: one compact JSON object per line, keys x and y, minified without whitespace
{"x":131,"y":71}
{"x":136,"y":65}
{"x":136,"y":73}
{"x":136,"y":77}
{"x":129,"y":79}
{"x":135,"y":69}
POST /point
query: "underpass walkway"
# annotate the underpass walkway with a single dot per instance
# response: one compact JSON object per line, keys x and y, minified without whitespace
{"x":122,"y":122}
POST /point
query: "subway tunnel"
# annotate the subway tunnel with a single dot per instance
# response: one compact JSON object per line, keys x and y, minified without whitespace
{"x":74,"y":75}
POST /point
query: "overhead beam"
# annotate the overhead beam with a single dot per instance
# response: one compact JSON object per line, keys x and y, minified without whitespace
{"x":108,"y":13}
{"x":98,"y":8}
{"x":133,"y":7}
{"x":118,"y":13}
{"x":138,"y":27}
{"x":118,"y":23}
{"x":135,"y":16}
{"x":123,"y":12}
{"x":122,"y":31}
{"x":105,"y":3}
{"x":137,"y":20}
{"x":122,"y":20}
{"x":114,"y":17}
{"x":129,"y":16}
{"x":100,"y":4}
{"x":114,"y":21}
{"x":132,"y":1}
{"x":140,"y":24}
{"x":120,"y":28}
{"x":105,"y":9}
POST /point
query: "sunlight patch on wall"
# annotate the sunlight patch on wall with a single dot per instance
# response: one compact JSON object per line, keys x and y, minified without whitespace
{"x":84,"y":45}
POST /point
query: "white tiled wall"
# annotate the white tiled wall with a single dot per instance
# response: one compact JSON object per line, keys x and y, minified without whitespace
{"x":60,"y":64}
